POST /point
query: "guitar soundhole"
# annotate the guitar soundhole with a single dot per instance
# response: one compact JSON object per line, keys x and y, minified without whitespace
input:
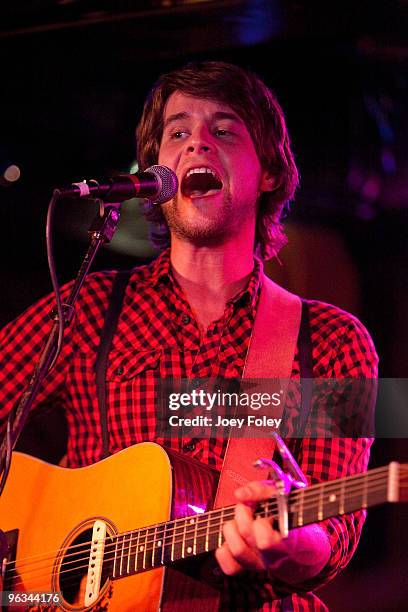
{"x":74,"y":569}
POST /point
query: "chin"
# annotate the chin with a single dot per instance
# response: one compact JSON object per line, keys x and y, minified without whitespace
{"x":201,"y":236}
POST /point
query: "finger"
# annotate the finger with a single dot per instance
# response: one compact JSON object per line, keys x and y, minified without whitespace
{"x":240,"y":550}
{"x":266,"y":538}
{"x":256,"y":490}
{"x":226,"y":561}
{"x":244,"y":520}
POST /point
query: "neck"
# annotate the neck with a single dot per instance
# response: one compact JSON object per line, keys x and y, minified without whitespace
{"x":213,"y":273}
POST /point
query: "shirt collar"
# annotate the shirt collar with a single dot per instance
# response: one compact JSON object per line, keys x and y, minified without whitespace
{"x":161,"y":268}
{"x":250,"y":293}
{"x":161,"y":271}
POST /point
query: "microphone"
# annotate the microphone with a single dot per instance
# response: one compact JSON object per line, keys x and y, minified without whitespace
{"x":157,"y":184}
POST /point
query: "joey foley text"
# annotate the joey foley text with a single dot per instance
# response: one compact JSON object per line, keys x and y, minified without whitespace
{"x":208,"y":401}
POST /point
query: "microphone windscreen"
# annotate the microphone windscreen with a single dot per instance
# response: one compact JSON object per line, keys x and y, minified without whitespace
{"x":168,"y":180}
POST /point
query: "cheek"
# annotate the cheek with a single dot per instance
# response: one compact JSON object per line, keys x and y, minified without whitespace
{"x":249,"y":176}
{"x":161,"y":156}
{"x":168,"y":157}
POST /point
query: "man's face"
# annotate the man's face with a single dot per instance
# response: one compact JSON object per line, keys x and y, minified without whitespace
{"x":220,"y":178}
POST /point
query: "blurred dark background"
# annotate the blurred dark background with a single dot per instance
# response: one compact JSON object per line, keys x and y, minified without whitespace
{"x":74,"y":74}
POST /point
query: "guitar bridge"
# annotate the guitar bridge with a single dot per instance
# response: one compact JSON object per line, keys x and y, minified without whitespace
{"x":93,"y":581}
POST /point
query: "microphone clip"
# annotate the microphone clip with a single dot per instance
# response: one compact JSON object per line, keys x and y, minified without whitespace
{"x":105,"y":222}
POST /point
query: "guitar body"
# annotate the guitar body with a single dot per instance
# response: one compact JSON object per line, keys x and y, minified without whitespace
{"x":54,"y":508}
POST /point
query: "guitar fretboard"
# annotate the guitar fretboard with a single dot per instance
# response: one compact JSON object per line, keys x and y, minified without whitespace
{"x":165,"y":543}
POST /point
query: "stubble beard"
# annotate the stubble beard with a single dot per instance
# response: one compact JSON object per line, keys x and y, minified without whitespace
{"x":213,"y":231}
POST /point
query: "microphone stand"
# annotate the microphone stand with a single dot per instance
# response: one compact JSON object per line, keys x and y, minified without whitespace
{"x":101,"y":231}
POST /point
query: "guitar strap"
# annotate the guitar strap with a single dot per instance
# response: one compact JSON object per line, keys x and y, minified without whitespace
{"x":105,"y":342}
{"x":275,"y":335}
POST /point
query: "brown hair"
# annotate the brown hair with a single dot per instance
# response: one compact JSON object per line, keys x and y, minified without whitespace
{"x":248,"y":96}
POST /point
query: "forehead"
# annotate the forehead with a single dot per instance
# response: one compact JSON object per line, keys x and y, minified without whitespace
{"x":180,"y":105}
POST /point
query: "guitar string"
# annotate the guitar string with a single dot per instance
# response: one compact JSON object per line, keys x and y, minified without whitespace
{"x":148,"y":550}
{"x":75,"y":580}
{"x":171,"y":534}
{"x":126,"y":548}
{"x":171,"y":530}
{"x":175,"y":528}
{"x":313,"y":491}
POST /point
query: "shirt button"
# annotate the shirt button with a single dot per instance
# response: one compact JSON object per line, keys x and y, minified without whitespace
{"x":185,"y":319}
{"x":189,"y":447}
{"x":119,"y":371}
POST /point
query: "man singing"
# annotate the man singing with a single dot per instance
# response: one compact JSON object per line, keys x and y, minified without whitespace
{"x":191,"y":314}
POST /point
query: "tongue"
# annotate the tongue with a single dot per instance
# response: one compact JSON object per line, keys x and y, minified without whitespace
{"x":200,"y":184}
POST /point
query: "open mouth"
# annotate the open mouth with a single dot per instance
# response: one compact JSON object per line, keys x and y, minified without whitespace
{"x":199,"y":182}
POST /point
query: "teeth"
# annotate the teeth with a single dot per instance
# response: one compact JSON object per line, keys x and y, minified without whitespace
{"x":202,"y":170}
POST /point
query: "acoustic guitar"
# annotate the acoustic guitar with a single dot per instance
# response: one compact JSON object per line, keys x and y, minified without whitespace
{"x":102,"y":537}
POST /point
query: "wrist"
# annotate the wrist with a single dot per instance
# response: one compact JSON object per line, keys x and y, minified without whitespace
{"x":308,"y":551}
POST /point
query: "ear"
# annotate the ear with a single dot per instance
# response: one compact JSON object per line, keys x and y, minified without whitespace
{"x":267,"y":182}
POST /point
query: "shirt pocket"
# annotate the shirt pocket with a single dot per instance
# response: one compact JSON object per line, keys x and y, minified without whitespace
{"x":124,"y":367}
{"x":132,"y":382}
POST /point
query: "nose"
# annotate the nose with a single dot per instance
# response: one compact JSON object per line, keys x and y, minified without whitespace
{"x":199,"y":141}
{"x":199,"y":148}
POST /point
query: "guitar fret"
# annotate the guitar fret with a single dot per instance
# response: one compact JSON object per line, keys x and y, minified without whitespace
{"x":183,"y":548}
{"x":121,"y":555}
{"x":160,"y":534}
{"x":145,"y":549}
{"x":329,"y":500}
{"x":220,"y":528}
{"x":166,"y":546}
{"x":137,"y":551}
{"x":132,"y":553}
{"x":342,"y":492}
{"x":153,"y":558}
{"x":301,"y":506}
{"x":321,"y":498}
{"x":178,"y":540}
{"x":129,"y":554}
{"x":150,"y":539}
{"x":116,"y":557}
{"x":172,"y":542}
{"x":201,"y":534}
{"x":213,"y":530}
{"x":195,"y":537}
{"x":365,"y":490}
{"x":207,"y":534}
{"x":189,"y":538}
{"x":128,"y":551}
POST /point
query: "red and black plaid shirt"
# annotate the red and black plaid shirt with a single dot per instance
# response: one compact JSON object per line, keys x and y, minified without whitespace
{"x":158,"y":337}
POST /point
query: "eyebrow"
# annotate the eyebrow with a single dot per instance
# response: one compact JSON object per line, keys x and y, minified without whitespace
{"x":216,"y":116}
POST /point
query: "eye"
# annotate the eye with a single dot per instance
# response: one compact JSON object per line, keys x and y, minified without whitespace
{"x":221,"y":132}
{"x":177,"y":134}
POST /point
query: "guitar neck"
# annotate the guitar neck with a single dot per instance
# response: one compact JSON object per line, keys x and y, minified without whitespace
{"x":166,"y":543}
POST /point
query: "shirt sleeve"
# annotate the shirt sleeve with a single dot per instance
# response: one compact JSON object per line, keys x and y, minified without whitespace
{"x":353,"y":357}
{"x":21,"y":343}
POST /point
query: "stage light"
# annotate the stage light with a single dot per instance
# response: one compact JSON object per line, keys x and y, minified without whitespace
{"x":12,"y":173}
{"x":9,"y":174}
